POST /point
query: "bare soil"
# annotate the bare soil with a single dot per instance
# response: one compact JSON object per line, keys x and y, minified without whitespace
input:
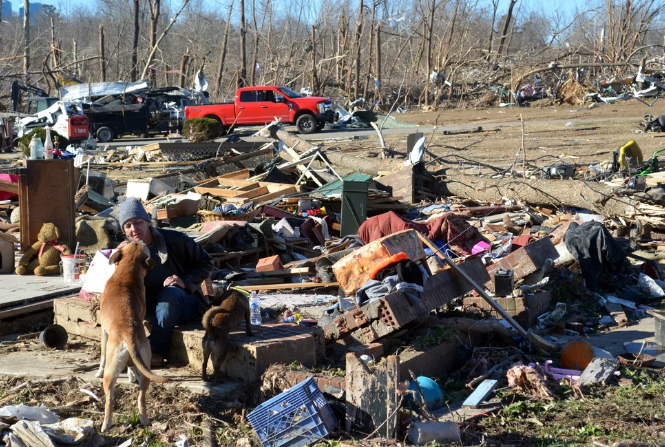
{"x":591,"y":136}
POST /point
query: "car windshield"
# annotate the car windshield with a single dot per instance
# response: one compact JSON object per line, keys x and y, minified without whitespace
{"x":288,"y":92}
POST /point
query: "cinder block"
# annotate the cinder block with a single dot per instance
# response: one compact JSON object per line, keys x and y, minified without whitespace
{"x":249,"y":357}
{"x":269,"y":264}
{"x":524,"y":310}
{"x":524,"y":261}
{"x":433,"y":362}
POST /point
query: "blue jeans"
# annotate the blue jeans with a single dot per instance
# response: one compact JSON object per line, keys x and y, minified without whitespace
{"x":173,"y":306}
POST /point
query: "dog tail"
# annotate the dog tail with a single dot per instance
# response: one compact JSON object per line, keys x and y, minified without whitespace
{"x":206,"y":321}
{"x":138,"y":362}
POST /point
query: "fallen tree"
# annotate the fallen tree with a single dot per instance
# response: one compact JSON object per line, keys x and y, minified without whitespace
{"x":594,"y":196}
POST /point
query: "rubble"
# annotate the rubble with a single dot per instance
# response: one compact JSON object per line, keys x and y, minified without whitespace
{"x":385,"y":286}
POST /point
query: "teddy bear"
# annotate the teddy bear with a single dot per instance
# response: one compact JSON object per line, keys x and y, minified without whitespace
{"x":43,"y":257}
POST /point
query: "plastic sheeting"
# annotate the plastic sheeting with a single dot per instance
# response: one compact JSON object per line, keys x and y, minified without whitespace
{"x":79,"y":91}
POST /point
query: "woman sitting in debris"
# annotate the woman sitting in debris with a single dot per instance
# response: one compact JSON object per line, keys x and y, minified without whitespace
{"x":172,"y":290}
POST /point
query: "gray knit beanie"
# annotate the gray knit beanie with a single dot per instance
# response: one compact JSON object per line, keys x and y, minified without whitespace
{"x":131,"y":208}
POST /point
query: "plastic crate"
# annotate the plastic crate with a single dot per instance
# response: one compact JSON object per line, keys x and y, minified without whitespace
{"x":296,"y":417}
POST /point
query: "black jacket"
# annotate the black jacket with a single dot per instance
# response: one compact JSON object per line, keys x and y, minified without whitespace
{"x":181,"y":256}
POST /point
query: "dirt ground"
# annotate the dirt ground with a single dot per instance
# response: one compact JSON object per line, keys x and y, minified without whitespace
{"x":550,"y":134}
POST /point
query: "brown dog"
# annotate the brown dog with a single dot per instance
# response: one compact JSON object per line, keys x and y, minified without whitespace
{"x":218,"y":321}
{"x":121,"y":312}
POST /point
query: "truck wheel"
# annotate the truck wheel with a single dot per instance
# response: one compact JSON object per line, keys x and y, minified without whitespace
{"x":306,"y":124}
{"x":104,"y":134}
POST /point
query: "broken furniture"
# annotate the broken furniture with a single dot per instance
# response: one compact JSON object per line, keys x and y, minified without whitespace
{"x":47,"y":191}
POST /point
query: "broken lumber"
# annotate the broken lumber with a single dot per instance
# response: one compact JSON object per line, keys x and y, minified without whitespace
{"x":594,"y":196}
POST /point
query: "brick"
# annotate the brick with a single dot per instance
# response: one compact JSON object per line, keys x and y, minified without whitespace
{"x":269,"y":264}
{"x":524,"y":261}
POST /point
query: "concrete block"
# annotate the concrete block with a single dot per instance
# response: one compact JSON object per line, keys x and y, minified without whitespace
{"x":249,"y":357}
{"x":525,"y":309}
{"x":524,"y":260}
{"x":432,"y":362}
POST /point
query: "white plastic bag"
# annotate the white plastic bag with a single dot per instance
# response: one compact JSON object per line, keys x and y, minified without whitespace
{"x":646,"y":282}
{"x":21,"y":412}
{"x":99,"y":272}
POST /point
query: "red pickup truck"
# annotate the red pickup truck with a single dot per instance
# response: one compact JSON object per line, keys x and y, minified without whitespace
{"x":261,"y":105}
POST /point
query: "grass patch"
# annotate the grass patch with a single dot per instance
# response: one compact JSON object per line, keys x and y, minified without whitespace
{"x":607,"y":414}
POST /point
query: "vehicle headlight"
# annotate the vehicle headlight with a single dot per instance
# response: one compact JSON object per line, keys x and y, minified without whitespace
{"x":319,"y":107}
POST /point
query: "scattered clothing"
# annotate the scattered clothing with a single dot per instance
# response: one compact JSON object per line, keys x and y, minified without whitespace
{"x":595,"y":250}
{"x":454,"y":229}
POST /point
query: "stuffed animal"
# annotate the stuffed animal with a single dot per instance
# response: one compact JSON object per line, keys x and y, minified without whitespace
{"x":43,"y":258}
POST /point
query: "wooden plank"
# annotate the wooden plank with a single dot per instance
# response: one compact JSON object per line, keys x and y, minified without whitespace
{"x":217,"y":192}
{"x":600,"y":370}
{"x":9,"y":187}
{"x":29,"y":308}
{"x":258,"y":282}
{"x":285,"y":272}
{"x":480,"y":394}
{"x":399,"y":183}
{"x":617,"y":313}
{"x":371,"y":396}
{"x":295,"y":285}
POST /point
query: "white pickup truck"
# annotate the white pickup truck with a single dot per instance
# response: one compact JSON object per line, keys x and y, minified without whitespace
{"x":65,"y":117}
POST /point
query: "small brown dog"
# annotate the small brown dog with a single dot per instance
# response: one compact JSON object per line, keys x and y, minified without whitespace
{"x":218,"y":321}
{"x":121,"y":312}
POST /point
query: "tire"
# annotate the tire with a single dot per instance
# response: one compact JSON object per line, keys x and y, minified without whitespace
{"x":306,"y":124}
{"x":104,"y":135}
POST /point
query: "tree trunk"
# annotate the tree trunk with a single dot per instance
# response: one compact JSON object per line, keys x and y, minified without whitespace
{"x":512,"y":30}
{"x":183,"y":66}
{"x":102,"y":58}
{"x":255,"y":50}
{"x":243,"y":56}
{"x":596,"y":197}
{"x":359,"y":31}
{"x":75,"y":55}
{"x":509,"y":16}
{"x":222,"y":55}
{"x":135,"y":43}
{"x":154,"y":6}
{"x":495,"y":5}
{"x":369,"y":51}
{"x":377,"y":68}
{"x":430,"y":32}
{"x":315,"y":78}
{"x":26,"y":36}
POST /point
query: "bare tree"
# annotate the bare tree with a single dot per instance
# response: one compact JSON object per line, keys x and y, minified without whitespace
{"x":26,"y":36}
{"x":154,"y":6}
{"x":242,"y":75}
{"x":506,"y":24}
{"x":135,"y":43}
{"x":222,"y":55}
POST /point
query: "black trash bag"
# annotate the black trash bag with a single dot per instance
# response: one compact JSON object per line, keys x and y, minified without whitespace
{"x":595,"y":250}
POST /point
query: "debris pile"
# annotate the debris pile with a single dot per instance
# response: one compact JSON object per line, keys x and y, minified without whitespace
{"x":400,"y":298}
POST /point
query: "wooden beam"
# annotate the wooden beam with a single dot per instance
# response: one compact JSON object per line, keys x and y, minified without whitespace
{"x":8,"y":186}
{"x":295,"y":285}
{"x":29,"y":308}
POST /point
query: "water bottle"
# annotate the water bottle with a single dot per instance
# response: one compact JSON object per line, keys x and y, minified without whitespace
{"x":48,"y":145}
{"x":255,"y":309}
{"x":36,"y":148}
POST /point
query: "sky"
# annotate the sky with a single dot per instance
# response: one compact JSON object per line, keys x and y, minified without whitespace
{"x":568,"y":6}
